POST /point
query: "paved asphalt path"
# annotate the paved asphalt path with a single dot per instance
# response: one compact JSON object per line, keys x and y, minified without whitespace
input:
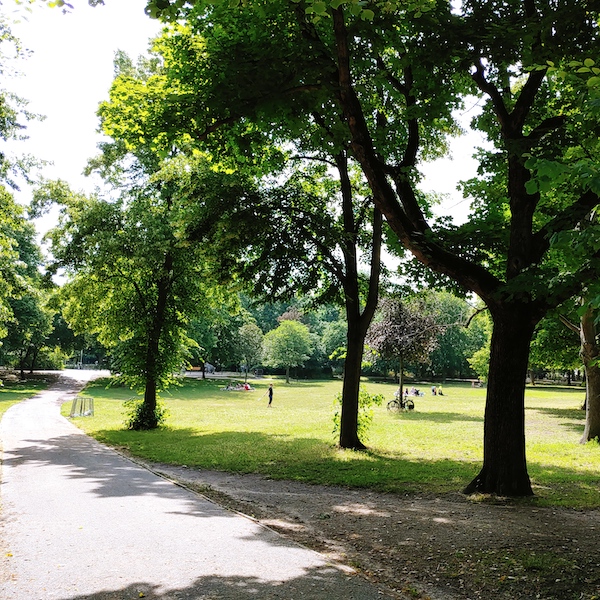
{"x":81,"y":521}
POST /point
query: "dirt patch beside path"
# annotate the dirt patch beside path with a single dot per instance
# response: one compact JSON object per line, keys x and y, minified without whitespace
{"x":443,"y":548}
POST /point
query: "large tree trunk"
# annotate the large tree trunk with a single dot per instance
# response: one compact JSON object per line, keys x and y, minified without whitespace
{"x":358,"y":322}
{"x":351,"y":388}
{"x":153,"y":348}
{"x":22,"y":360}
{"x":150,"y":395}
{"x":34,"y":356}
{"x":504,"y":470}
{"x":149,"y":421}
{"x":589,"y":354}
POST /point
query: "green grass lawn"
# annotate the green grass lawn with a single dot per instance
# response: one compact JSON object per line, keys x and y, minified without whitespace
{"x":13,"y":392}
{"x":433,"y":450}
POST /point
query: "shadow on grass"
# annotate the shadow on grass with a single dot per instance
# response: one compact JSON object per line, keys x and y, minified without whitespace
{"x":435,"y":417}
{"x":300,"y":459}
{"x":561,"y":413}
{"x":276,"y":456}
{"x":567,"y":389}
{"x":19,"y":390}
{"x":571,"y":419}
{"x":560,"y":486}
{"x":312,"y":461}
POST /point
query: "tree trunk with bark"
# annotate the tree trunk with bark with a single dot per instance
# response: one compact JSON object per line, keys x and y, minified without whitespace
{"x":22,"y":360}
{"x":504,"y":470}
{"x":34,"y":356}
{"x":532,"y":377}
{"x":149,"y":420}
{"x":153,"y":347}
{"x":508,"y":296}
{"x":590,"y":354}
{"x":401,"y":378}
{"x":358,"y":321}
{"x":351,"y":388}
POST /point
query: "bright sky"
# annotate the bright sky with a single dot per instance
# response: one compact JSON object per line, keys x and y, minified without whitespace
{"x":69,"y":73}
{"x":71,"y":70}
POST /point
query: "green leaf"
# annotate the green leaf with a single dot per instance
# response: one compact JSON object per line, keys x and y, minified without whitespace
{"x":367,"y":15}
{"x":532,"y":187}
{"x":319,"y":8}
{"x":356,"y":9}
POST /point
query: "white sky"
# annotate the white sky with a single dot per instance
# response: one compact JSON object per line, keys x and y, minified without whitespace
{"x":70,"y":72}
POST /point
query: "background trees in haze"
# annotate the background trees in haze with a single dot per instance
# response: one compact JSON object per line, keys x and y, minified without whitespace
{"x":251,"y":346}
{"x":402,"y":332}
{"x":287,"y":346}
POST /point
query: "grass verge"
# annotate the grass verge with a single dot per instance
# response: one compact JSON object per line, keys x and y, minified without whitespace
{"x":435,"y":449}
{"x":12,"y":392}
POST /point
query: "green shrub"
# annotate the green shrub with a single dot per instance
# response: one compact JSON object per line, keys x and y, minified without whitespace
{"x":366,"y":402}
{"x":139,"y":417}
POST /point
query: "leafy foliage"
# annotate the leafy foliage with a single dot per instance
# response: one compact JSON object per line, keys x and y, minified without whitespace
{"x":250,"y":345}
{"x":366,"y":413}
{"x":133,"y":280}
{"x":402,"y":332}
{"x":287,"y":346}
{"x":139,"y":417}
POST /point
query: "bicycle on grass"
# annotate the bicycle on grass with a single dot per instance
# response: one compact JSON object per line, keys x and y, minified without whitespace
{"x":400,"y":402}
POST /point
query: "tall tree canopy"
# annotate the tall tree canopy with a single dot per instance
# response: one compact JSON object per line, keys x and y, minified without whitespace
{"x":287,"y":346}
{"x":403,"y":332}
{"x":393,"y":75}
{"x":133,"y":278}
{"x":305,"y":234}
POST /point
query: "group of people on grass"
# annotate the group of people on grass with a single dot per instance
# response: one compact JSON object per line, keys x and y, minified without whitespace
{"x":238,"y":387}
{"x":246,"y":387}
{"x":435,"y":391}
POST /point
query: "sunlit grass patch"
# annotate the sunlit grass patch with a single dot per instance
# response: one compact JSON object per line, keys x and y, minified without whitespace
{"x":12,"y":392}
{"x":437,"y":448}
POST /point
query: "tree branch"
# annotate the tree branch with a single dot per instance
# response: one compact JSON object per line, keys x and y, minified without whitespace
{"x":563,"y":221}
{"x":477,"y":312}
{"x":412,"y":147}
{"x":526,"y":99}
{"x":546,"y":126}
{"x":316,"y":158}
{"x":569,"y":325}
{"x":473,"y":277}
{"x":494,"y":94}
{"x":373,"y":294}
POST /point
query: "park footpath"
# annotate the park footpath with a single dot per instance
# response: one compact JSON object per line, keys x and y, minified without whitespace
{"x":80,"y":521}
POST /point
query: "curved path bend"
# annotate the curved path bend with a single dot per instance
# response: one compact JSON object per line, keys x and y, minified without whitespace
{"x":80,"y":521}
